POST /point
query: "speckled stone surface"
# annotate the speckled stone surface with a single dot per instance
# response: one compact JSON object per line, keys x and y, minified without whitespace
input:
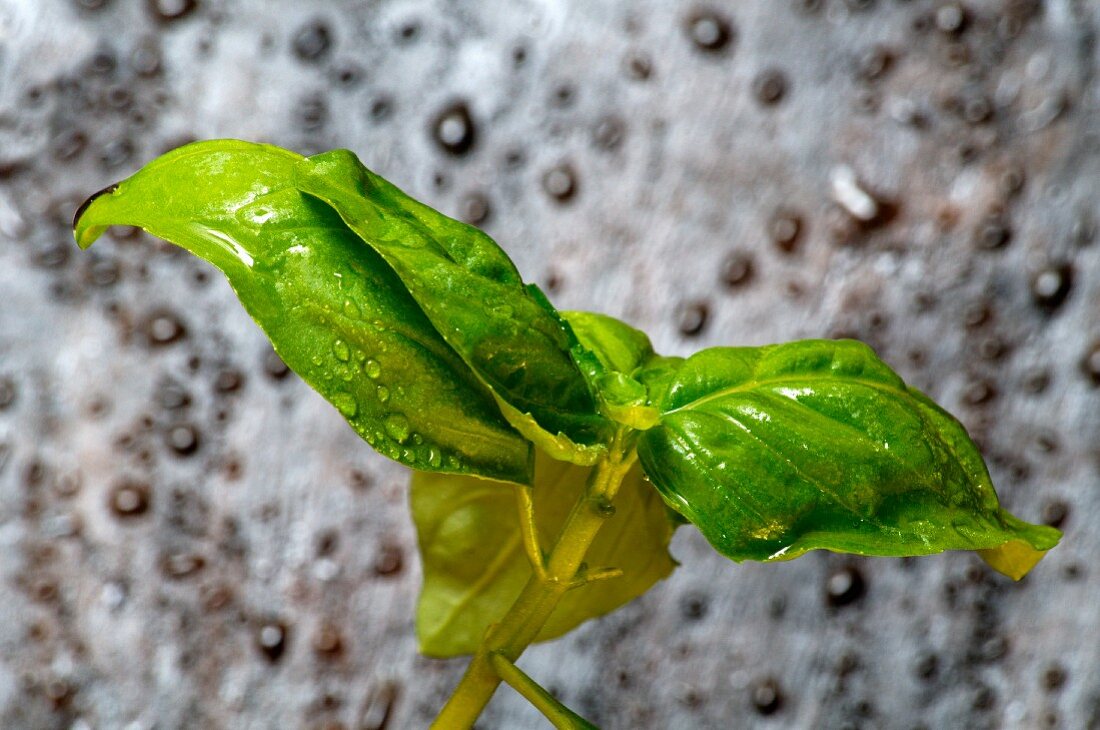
{"x":190,"y":537}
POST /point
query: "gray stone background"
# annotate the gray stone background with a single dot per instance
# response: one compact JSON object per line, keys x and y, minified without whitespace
{"x":190,"y":537}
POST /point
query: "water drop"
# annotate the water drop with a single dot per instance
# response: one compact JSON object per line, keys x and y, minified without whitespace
{"x":397,"y":426}
{"x":992,"y":233}
{"x":785,"y":229}
{"x":345,"y":403}
{"x":844,"y":587}
{"x":271,"y":638}
{"x":770,"y":86}
{"x":383,"y":393}
{"x":163,"y":327}
{"x":737,"y":269}
{"x":182,"y":439}
{"x":560,"y":182}
{"x":453,"y":129}
{"x":709,"y":31}
{"x":389,"y":560}
{"x":951,"y":18}
{"x":171,"y":10}
{"x":373,"y":369}
{"x":312,"y":41}
{"x":766,"y":696}
{"x":228,"y":380}
{"x":475,"y":208}
{"x":693,"y":317}
{"x":130,"y":499}
{"x":435,"y":457}
{"x":341,"y":351}
{"x":1051,"y":285}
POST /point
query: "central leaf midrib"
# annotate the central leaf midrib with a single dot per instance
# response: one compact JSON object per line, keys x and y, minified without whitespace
{"x":769,"y":382}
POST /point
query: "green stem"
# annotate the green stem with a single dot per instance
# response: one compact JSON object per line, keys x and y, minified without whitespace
{"x":523,"y":621}
{"x":560,"y":716}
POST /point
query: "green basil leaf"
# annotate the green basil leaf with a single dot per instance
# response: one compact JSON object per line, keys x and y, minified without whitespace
{"x":610,"y":354}
{"x":475,"y":565}
{"x":775,"y":451}
{"x":506,"y":332}
{"x":617,"y":346}
{"x":334,"y":310}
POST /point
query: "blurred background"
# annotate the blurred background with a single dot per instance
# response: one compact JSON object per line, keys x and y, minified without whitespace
{"x":190,"y":537}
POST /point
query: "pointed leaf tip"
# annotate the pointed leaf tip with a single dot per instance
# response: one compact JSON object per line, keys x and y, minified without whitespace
{"x":82,"y":240}
{"x":1014,"y":559}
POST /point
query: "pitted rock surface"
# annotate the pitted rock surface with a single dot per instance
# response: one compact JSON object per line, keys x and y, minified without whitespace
{"x":190,"y":537}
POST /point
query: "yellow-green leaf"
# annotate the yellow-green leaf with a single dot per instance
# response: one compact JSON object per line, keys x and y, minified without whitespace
{"x":475,"y":565}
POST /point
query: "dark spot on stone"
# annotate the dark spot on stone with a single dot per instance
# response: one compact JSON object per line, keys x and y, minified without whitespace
{"x":709,"y":30}
{"x":1054,"y":678}
{"x":1037,"y":380}
{"x":378,"y":707}
{"x":1051,"y":285}
{"x":348,"y":75}
{"x":553,"y":281}
{"x":926,"y":667}
{"x":327,"y":641}
{"x":766,"y":696}
{"x":1090,"y":364}
{"x":873,"y":63}
{"x":408,"y":31}
{"x":639,"y":66}
{"x":68,"y":145}
{"x":1055,"y":513}
{"x":844,"y":587}
{"x":228,"y":380}
{"x":737,"y":269}
{"x":182,"y":564}
{"x":130,"y":499}
{"x":102,"y":271}
{"x":692,"y":318}
{"x":785,"y":230}
{"x":312,"y":112}
{"x":389,"y":560}
{"x":312,"y":41}
{"x":770,"y":86}
{"x":359,"y":480}
{"x":453,"y":129}
{"x":380,"y":108}
{"x":992,"y":233}
{"x":560,"y":182}
{"x":984,"y":698}
{"x":979,"y":392}
{"x":475,"y":208}
{"x":146,"y":59}
{"x":273,"y":365}
{"x":992,"y":348}
{"x":977,"y":314}
{"x":563,"y":96}
{"x":608,"y":132}
{"x":693,"y":606}
{"x":976,"y":109}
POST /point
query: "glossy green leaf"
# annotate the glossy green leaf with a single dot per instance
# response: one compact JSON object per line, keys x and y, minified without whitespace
{"x":334,"y":310}
{"x":506,"y":332}
{"x":610,"y":353}
{"x":778,"y":450}
{"x":475,"y":564}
